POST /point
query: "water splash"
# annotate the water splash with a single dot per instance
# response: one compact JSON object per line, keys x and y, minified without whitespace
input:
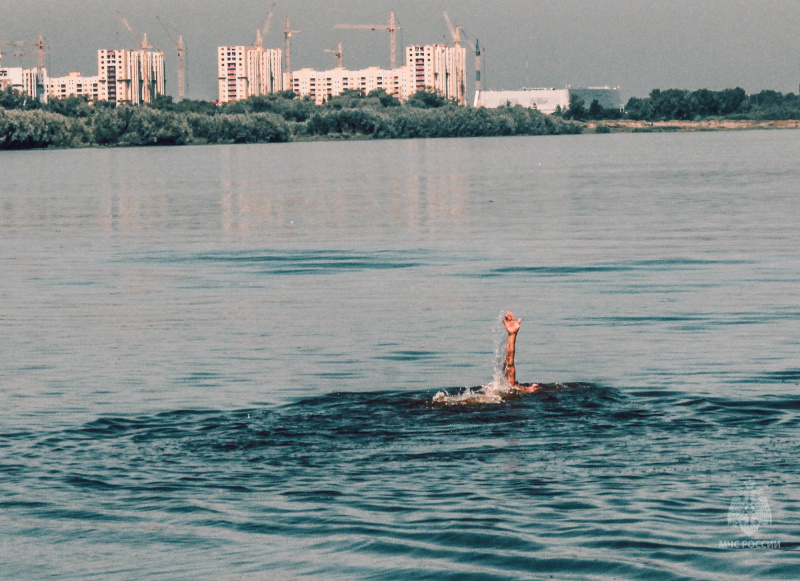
{"x":492,"y":392}
{"x":496,"y":391}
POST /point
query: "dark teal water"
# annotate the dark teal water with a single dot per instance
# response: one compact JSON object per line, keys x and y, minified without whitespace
{"x":253,"y":361}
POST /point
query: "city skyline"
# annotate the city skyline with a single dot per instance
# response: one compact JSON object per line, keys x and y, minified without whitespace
{"x":637,"y":45}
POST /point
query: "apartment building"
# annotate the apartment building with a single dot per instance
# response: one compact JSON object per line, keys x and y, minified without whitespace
{"x":30,"y":82}
{"x":322,"y":85}
{"x":74,"y":85}
{"x":440,"y":68}
{"x":130,"y":76}
{"x":247,"y":71}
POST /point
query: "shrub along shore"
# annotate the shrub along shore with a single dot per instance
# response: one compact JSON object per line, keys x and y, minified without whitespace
{"x":281,"y":117}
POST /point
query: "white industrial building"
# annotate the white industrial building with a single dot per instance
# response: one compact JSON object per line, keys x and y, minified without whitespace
{"x":607,"y":97}
{"x":30,"y":82}
{"x":247,"y":71}
{"x":547,"y":101}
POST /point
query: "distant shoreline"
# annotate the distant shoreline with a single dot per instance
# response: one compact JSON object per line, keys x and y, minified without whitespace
{"x":631,"y":126}
{"x":352,"y":115}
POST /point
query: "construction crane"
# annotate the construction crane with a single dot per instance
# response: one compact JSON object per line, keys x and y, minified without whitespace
{"x":476,"y":47}
{"x":455,"y":32}
{"x":38,"y":44}
{"x":180,"y":47}
{"x":287,"y":33}
{"x":143,"y":44}
{"x":391,"y":27}
{"x":262,"y":34}
{"x":11,"y":43}
{"x":338,"y":54}
{"x":145,"y":89}
{"x":478,"y":67}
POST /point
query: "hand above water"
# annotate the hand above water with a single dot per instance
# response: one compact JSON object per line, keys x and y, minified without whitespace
{"x":511,"y":325}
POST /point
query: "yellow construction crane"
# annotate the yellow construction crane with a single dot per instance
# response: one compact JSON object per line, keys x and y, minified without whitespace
{"x":143,"y":44}
{"x":391,"y":27}
{"x":476,"y":47}
{"x":338,"y":54}
{"x":287,"y":33}
{"x":455,"y":32}
{"x":38,"y":44}
{"x":262,"y":34}
{"x":180,"y":47}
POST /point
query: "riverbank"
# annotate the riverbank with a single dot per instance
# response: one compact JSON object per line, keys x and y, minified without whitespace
{"x":631,"y":126}
{"x":267,"y":120}
{"x":282,"y":117}
{"x":292,"y":120}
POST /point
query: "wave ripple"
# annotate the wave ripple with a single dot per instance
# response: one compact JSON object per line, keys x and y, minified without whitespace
{"x":573,"y":481}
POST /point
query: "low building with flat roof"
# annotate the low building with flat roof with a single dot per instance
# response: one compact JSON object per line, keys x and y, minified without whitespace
{"x":606,"y":97}
{"x":547,"y":101}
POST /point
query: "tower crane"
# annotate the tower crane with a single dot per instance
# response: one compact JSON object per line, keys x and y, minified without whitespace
{"x":455,"y":32}
{"x":391,"y":27}
{"x":38,"y":44}
{"x":476,"y":47}
{"x":338,"y":54}
{"x":478,"y":68}
{"x":262,"y":34}
{"x":145,"y":85}
{"x":180,"y":47}
{"x":287,"y":33}
{"x":143,"y":44}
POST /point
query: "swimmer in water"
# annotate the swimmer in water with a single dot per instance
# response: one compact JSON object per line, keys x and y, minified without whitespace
{"x":512,"y":326}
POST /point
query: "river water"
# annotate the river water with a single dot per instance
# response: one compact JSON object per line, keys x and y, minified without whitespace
{"x":252,"y":361}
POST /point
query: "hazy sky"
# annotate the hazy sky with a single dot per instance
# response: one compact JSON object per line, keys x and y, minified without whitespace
{"x":637,"y":45}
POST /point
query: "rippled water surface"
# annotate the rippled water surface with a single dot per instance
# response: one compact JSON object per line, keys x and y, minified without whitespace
{"x":252,"y":361}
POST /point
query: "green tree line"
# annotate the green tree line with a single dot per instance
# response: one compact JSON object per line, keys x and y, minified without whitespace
{"x":281,"y":117}
{"x":26,"y":123}
{"x":683,"y":105}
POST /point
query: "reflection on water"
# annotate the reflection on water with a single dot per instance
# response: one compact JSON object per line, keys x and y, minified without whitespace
{"x":254,"y":192}
{"x":373,"y":198}
{"x":406,"y":203}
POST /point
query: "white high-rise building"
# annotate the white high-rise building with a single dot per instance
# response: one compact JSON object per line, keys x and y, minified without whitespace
{"x":130,"y":76}
{"x":30,"y":82}
{"x":247,"y":71}
{"x":440,"y":68}
{"x":74,"y":85}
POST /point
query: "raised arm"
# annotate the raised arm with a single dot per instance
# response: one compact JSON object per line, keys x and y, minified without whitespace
{"x":512,"y":326}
